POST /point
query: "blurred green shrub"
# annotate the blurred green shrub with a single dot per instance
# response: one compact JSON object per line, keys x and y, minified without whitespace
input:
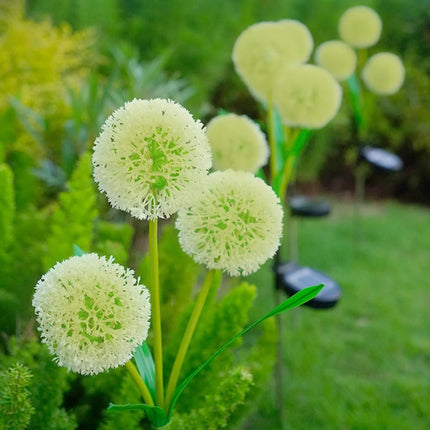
{"x":400,"y":123}
{"x":73,"y":218}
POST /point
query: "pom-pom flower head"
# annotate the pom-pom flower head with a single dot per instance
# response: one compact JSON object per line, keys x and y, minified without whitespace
{"x":383,"y":73}
{"x":360,"y":26}
{"x":149,"y":157}
{"x":237,"y":143}
{"x":337,"y":57}
{"x":235,"y":224}
{"x":263,"y":49}
{"x":307,"y":96}
{"x":92,"y":313}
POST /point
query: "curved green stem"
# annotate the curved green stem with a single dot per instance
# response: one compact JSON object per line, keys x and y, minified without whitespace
{"x":140,"y":383}
{"x":156,"y":312}
{"x":186,"y":339}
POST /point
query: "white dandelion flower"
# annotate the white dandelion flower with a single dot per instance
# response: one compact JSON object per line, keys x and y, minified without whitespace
{"x":265,"y":48}
{"x":149,"y":157}
{"x":307,"y":96}
{"x":237,"y":143}
{"x":360,"y":26}
{"x":235,"y":224}
{"x":92,"y":313}
{"x":336,"y":57}
{"x":384,"y":73}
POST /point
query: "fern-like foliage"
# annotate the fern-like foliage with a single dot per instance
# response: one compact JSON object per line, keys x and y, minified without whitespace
{"x":15,"y":405}
{"x":72,"y":221}
{"x":24,"y":266}
{"x":219,"y":404}
{"x":47,"y":387}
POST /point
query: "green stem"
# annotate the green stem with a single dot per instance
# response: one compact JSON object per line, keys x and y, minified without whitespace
{"x":186,"y":339}
{"x":140,"y":383}
{"x":156,"y":312}
{"x":287,"y":172}
{"x":272,"y":139}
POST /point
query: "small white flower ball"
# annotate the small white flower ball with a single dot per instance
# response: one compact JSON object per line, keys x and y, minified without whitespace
{"x":307,"y":96}
{"x":262,"y":50}
{"x":92,"y":313}
{"x":234,"y":225}
{"x":360,"y":26}
{"x":237,"y":143}
{"x":336,"y":57}
{"x":150,"y":157}
{"x":384,"y":73}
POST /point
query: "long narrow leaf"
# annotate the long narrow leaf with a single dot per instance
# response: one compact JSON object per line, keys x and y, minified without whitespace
{"x":356,"y":97}
{"x":145,"y":365}
{"x":300,"y":142}
{"x":298,"y":299}
{"x":78,"y":251}
{"x":155,"y":415}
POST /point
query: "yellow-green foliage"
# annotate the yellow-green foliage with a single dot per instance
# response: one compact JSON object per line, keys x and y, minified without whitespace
{"x":73,"y":219}
{"x":15,"y":405}
{"x":37,"y":63}
{"x":37,"y":59}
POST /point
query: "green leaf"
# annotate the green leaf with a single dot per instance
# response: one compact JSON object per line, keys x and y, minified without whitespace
{"x":298,"y":299}
{"x":145,"y":365}
{"x":154,"y":414}
{"x":356,"y":97}
{"x":77,"y":251}
{"x":300,"y":141}
{"x":276,"y":184}
{"x":221,"y":112}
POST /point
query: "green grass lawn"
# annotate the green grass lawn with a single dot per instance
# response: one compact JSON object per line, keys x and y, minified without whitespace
{"x":364,"y":364}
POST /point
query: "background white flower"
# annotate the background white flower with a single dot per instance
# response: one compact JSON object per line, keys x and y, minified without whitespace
{"x":384,"y":73}
{"x":150,"y":156}
{"x":92,"y":313}
{"x":337,"y":57}
{"x":360,"y":26}
{"x":307,"y":96}
{"x":234,"y":225}
{"x":262,"y":50}
{"x":237,"y":143}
